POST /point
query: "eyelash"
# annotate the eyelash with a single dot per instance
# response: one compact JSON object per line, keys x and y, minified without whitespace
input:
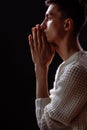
{"x":48,"y":18}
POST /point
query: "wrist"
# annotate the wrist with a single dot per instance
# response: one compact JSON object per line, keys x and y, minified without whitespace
{"x":41,"y":71}
{"x":41,"y":68}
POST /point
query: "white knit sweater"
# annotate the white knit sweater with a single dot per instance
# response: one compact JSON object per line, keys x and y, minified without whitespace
{"x":66,"y":108}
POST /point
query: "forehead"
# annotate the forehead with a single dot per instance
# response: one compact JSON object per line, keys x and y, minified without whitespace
{"x":52,"y":9}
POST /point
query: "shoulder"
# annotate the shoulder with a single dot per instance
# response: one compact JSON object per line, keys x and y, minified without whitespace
{"x":78,"y":65}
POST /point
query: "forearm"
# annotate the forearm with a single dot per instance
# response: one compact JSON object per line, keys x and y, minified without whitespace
{"x":41,"y":81}
{"x":42,"y":55}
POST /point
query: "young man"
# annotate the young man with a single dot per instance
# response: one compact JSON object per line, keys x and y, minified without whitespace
{"x":65,"y":106}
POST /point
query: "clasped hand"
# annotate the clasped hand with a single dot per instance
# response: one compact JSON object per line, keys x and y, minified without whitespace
{"x":42,"y":51}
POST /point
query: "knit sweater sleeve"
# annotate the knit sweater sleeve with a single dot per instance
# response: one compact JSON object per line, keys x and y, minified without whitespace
{"x":67,"y":99}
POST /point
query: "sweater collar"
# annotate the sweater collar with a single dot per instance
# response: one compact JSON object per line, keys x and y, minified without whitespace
{"x":72,"y":58}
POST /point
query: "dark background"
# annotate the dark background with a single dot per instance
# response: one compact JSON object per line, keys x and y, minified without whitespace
{"x":17,"y":84}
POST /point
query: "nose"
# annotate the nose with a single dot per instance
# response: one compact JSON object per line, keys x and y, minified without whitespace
{"x":43,"y":24}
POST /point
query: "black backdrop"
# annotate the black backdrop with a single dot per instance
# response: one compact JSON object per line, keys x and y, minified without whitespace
{"x":17,"y":86}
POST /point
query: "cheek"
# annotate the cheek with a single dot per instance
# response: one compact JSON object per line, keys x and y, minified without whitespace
{"x":52,"y":35}
{"x":52,"y":30}
{"x":51,"y":27}
{"x":54,"y":27}
{"x":55,"y":31}
{"x":58,"y":30}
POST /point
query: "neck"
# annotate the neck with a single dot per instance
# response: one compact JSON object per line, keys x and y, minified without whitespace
{"x":67,"y":47}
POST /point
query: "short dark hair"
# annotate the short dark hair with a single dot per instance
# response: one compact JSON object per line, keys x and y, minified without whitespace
{"x":71,"y":9}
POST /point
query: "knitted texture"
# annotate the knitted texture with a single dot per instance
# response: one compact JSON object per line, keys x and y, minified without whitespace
{"x":66,"y":107}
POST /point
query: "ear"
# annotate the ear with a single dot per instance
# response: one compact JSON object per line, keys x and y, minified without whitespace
{"x":68,"y":24}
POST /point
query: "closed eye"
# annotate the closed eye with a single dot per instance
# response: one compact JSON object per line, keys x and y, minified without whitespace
{"x":48,"y":17}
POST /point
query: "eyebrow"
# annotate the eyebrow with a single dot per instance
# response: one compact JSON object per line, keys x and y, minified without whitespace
{"x":50,"y":14}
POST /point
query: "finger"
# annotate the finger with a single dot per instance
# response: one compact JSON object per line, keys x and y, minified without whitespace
{"x":34,"y":34}
{"x":39,"y":31}
{"x":44,"y":39}
{"x":30,"y":41}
